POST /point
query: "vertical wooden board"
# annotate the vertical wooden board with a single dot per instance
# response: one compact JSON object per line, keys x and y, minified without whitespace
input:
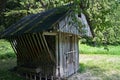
{"x":45,"y":55}
{"x":77,"y":53}
{"x":21,"y":51}
{"x":46,"y":45}
{"x":29,"y":37}
{"x":74,"y":54}
{"x":30,"y":46}
{"x":57,"y":53}
{"x":44,"y":52}
{"x":36,"y":46}
{"x":63,"y":52}
{"x":61,"y":73}
{"x":40,"y":49}
{"x":27,"y":51}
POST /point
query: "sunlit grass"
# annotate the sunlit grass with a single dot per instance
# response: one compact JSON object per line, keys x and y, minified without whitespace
{"x":6,"y":50}
{"x":104,"y":67}
{"x":86,"y":49}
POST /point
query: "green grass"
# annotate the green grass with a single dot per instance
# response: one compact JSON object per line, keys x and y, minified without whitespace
{"x":112,"y":50}
{"x":5,"y":50}
{"x":7,"y":62}
{"x":103,"y":67}
{"x":5,"y":69}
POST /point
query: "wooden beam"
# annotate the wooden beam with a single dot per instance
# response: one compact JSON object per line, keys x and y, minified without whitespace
{"x":44,"y":52}
{"x":44,"y":48}
{"x":24,"y":56}
{"x":30,"y":46}
{"x":50,"y":33}
{"x":27,"y":51}
{"x":35,"y":53}
{"x":36,"y":45}
{"x":45,"y":43}
{"x":40,"y":48}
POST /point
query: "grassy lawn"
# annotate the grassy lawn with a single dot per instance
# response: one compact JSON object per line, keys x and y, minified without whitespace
{"x":7,"y":62}
{"x":5,"y":69}
{"x":112,"y":50}
{"x":99,"y":67}
{"x":95,"y":63}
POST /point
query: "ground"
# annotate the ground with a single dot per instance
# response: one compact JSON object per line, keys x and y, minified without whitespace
{"x":98,"y":67}
{"x":92,"y":67}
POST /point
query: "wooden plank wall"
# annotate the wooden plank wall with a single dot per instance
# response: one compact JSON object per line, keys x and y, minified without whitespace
{"x":67,"y":25}
{"x":32,"y":51}
{"x":69,"y":54}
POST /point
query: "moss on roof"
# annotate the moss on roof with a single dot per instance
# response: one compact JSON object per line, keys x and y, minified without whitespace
{"x":36,"y":22}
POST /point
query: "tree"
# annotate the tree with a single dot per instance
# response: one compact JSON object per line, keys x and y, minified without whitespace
{"x":13,"y":10}
{"x":98,"y":12}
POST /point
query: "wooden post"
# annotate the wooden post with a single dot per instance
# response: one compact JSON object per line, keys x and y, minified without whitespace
{"x":40,"y":77}
{"x":44,"y":40}
{"x":35,"y":77}
{"x":26,"y":76}
{"x":46,"y":77}
{"x":52,"y":77}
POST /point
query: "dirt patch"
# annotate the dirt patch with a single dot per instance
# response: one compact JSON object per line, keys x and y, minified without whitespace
{"x":84,"y":76}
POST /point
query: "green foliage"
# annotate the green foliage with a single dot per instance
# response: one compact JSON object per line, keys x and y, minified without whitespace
{"x":16,"y":9}
{"x":6,"y":50}
{"x":99,"y":13}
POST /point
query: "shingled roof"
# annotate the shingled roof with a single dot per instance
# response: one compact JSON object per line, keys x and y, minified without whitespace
{"x":35,"y":22}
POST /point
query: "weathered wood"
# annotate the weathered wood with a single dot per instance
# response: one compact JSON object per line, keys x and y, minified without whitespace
{"x":28,"y":51}
{"x":67,"y":25}
{"x":36,"y":46}
{"x":18,"y":55}
{"x":40,"y":52}
{"x":60,"y":66}
{"x":29,"y":70}
{"x":23,"y":55}
{"x":45,"y":43}
{"x":32,"y":53}
{"x":44,"y":48}
{"x":50,"y":33}
{"x":21,"y":50}
{"x":18,"y":50}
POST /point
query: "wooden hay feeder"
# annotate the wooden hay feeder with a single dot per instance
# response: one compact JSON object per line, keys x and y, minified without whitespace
{"x":46,"y":44}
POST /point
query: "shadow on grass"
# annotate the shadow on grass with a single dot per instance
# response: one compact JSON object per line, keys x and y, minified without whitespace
{"x":7,"y":75}
{"x":7,"y":55}
{"x":82,"y":68}
{"x":95,"y":71}
{"x":6,"y":65}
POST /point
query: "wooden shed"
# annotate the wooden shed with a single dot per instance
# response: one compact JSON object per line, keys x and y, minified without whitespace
{"x":46,"y":44}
